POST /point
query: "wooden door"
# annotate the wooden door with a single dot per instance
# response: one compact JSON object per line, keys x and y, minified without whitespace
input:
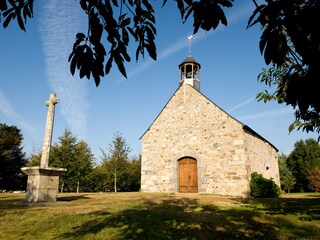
{"x":188,"y":176}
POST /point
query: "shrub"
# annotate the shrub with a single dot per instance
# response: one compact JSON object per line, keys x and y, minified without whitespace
{"x":261,"y":187}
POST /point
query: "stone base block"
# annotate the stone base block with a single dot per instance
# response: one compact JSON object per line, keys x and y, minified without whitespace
{"x":43,"y":183}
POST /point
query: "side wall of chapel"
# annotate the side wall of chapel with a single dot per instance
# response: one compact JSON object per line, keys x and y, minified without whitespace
{"x":262,"y":157}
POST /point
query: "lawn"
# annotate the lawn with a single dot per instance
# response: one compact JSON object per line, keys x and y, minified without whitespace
{"x":160,"y":216}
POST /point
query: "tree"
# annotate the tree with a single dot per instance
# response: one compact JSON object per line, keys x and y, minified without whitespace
{"x":34,"y":159}
{"x":290,"y":42}
{"x":304,"y":158}
{"x":314,"y":178}
{"x":286,"y":178}
{"x":291,"y":45}
{"x":12,"y":158}
{"x":76,"y":157}
{"x":100,"y":181}
{"x":116,"y":162}
{"x":133,"y":182}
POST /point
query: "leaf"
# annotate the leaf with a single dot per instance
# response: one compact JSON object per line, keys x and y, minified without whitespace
{"x":3,"y":5}
{"x":149,"y":33}
{"x":133,"y":33}
{"x":154,"y":30}
{"x":119,"y":61}
{"x":115,"y":3}
{"x":223,"y":19}
{"x":164,"y":3}
{"x":262,"y":44}
{"x":151,"y":18}
{"x":123,"y":50}
{"x":20,"y":22}
{"x":268,"y":52}
{"x":257,"y":10}
{"x":83,"y":71}
{"x":84,"y":6}
{"x":5,"y":13}
{"x":259,"y":96}
{"x":125,"y":36}
{"x":31,"y":6}
{"x":75,"y":57}
{"x":181,"y":7}
{"x":125,"y":22}
{"x":148,"y":5}
{"x":151,"y":48}
{"x":109,"y":65}
{"x":292,"y":126}
{"x":190,"y":10}
{"x":8,"y":19}
{"x":137,"y":52}
{"x":189,"y":2}
{"x":96,"y":78}
{"x":26,"y":13}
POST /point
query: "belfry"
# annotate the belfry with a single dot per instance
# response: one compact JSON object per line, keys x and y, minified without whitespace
{"x":190,"y":72}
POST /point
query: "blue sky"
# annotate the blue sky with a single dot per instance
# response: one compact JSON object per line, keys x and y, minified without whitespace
{"x":34,"y":64}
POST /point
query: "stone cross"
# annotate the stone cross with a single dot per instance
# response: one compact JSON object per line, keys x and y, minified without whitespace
{"x":48,"y":132}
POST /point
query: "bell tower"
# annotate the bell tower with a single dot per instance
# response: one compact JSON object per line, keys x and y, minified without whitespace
{"x":190,"y":72}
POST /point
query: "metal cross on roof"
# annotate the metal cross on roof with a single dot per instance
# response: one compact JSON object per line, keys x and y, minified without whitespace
{"x":190,"y":37}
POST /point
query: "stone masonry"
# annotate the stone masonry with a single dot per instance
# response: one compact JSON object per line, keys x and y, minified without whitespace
{"x":226,"y":150}
{"x":43,"y":181}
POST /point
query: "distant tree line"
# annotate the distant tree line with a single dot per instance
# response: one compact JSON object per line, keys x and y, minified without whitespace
{"x":116,"y":172}
{"x":300,"y":170}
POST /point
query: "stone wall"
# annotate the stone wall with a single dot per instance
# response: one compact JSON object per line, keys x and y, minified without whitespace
{"x":262,"y":157}
{"x":191,"y":125}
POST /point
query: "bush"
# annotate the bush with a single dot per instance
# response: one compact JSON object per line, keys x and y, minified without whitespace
{"x":261,"y":187}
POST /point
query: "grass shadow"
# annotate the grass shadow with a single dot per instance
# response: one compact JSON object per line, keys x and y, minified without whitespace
{"x":284,"y":206}
{"x":71,"y":197}
{"x":175,"y":219}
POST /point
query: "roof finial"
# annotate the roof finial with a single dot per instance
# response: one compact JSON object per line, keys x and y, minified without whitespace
{"x":190,"y":38}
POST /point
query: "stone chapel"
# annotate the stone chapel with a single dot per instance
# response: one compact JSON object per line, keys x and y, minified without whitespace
{"x":194,"y":146}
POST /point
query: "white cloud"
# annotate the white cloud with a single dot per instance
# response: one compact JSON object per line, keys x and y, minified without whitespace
{"x":8,"y":111}
{"x":60,"y":21}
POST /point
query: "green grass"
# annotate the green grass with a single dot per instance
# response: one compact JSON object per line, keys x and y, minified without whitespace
{"x":160,"y":216}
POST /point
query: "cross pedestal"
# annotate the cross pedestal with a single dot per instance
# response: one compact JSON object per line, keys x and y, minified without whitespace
{"x":43,"y":181}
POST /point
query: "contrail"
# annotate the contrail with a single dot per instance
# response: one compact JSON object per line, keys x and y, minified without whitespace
{"x":242,"y":104}
{"x":267,"y":114}
{"x":60,"y":21}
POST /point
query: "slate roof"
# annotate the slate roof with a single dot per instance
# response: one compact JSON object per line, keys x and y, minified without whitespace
{"x":189,"y":59}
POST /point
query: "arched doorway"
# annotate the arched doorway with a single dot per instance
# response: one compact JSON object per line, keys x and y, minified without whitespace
{"x":188,"y":175}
